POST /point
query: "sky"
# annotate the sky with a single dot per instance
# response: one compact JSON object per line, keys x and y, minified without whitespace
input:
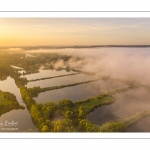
{"x":74,"y":31}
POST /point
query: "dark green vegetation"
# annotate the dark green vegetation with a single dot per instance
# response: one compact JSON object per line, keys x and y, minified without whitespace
{"x":40,"y":113}
{"x":5,"y":71}
{"x":64,"y":116}
{"x":70,"y":117}
{"x":36,"y":89}
{"x":8,"y":102}
{"x":72,"y":120}
{"x":32,"y":64}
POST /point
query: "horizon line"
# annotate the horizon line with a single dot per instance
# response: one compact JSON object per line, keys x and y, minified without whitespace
{"x":78,"y":46}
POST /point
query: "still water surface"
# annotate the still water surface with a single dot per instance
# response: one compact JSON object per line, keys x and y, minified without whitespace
{"x":46,"y":73}
{"x":80,"y":92}
{"x":21,"y":116}
{"x":61,"y":81}
{"x":126,"y":103}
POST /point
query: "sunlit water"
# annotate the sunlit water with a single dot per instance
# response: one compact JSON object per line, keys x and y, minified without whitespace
{"x":132,"y":63}
{"x":21,"y":116}
{"x":46,"y":73}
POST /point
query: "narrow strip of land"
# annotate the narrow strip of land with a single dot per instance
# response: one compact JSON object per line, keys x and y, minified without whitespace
{"x":121,"y":90}
{"x":133,"y":119}
{"x":52,"y":77}
{"x":90,"y":104}
{"x":131,"y":83}
{"x":122,"y":124}
{"x":35,"y":90}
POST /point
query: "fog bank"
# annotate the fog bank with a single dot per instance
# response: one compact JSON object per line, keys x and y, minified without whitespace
{"x":124,"y":63}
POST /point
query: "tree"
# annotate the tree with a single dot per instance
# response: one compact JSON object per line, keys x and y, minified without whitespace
{"x":65,"y":103}
{"x":81,"y":114}
{"x":46,"y":114}
{"x":40,"y":120}
{"x":47,"y":122}
{"x":45,"y":128}
{"x":68,"y":114}
{"x":58,"y":126}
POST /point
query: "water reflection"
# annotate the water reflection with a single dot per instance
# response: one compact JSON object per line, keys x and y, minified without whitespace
{"x":126,"y":103}
{"x":9,"y":85}
{"x":79,"y":92}
{"x":46,"y":73}
{"x":22,"y":116}
{"x":61,"y":80}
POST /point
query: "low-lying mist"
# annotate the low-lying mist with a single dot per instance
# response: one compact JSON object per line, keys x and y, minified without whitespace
{"x":127,"y":103}
{"x":131,"y":64}
{"x":126,"y":63}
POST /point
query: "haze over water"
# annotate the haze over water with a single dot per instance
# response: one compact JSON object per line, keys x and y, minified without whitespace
{"x":115,"y":50}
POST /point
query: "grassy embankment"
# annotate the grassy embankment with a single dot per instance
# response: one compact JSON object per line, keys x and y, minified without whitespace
{"x":90,"y":104}
{"x":8,"y":102}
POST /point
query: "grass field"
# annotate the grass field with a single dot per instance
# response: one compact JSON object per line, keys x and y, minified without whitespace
{"x":92,"y":103}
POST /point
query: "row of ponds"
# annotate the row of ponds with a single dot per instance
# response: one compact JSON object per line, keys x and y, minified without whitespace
{"x":126,"y":103}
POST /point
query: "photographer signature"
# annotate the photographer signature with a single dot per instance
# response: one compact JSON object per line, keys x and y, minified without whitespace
{"x":11,"y":123}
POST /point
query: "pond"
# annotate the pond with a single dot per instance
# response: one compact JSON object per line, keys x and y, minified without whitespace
{"x":126,"y":103}
{"x":80,"y":92}
{"x":21,"y":116}
{"x":61,"y":80}
{"x":46,"y":73}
